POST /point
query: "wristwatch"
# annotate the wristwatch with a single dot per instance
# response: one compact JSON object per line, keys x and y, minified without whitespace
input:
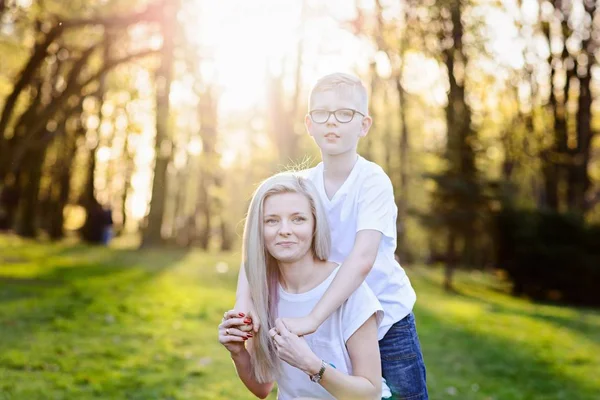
{"x":316,"y":378}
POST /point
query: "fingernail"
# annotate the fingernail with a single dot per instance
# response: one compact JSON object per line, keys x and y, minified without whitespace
{"x":242,"y":315}
{"x":247,"y":321}
{"x":245,"y":338}
{"x":250,"y":335}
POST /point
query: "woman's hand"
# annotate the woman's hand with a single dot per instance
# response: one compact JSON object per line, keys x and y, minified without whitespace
{"x":293,"y":349}
{"x":234,"y":330}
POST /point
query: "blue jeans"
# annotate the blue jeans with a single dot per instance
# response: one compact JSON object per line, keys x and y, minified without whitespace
{"x":402,"y":361}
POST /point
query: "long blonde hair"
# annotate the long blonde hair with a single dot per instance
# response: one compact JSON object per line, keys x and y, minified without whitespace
{"x":262,"y":269}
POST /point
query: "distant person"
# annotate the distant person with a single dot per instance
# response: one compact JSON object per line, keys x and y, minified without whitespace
{"x":107,"y":226}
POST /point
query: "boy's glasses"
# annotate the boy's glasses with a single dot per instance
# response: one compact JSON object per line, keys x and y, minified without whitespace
{"x":343,"y":115}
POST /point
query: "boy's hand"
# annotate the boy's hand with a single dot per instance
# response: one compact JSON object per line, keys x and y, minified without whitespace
{"x":250,"y":314}
{"x":301,"y":326}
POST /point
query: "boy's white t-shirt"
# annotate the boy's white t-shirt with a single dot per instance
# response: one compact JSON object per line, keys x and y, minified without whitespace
{"x":366,"y":201}
{"x":329,"y":341}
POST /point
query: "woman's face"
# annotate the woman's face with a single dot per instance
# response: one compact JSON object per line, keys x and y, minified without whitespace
{"x":288,"y":226}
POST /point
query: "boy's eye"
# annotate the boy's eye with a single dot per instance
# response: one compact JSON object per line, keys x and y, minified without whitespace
{"x":344,"y":114}
{"x":319,"y":115}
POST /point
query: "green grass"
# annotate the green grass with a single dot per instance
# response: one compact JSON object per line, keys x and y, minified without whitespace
{"x":79,"y":322}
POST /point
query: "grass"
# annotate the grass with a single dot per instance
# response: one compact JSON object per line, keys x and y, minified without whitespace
{"x":80,"y":322}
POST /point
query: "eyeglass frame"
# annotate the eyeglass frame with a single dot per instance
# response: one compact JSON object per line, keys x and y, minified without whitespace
{"x":354,"y":112}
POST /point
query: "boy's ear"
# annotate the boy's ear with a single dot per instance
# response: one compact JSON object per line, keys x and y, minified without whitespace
{"x":308,"y":124}
{"x":365,"y":125}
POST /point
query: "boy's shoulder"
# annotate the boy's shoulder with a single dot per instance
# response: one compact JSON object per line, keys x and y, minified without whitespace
{"x":368,"y":173}
{"x":371,"y":172}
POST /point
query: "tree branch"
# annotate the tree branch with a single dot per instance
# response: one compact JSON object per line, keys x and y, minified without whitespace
{"x":38,"y":56}
{"x":152,"y":13}
{"x":591,"y":201}
{"x":43,"y":119}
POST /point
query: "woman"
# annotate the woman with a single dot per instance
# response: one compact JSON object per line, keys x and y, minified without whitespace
{"x":286,"y":247}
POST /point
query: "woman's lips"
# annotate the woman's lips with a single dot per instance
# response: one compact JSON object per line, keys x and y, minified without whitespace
{"x":285,"y":244}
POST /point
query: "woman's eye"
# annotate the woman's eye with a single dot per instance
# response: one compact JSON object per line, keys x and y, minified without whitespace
{"x":299,"y":219}
{"x":270,"y":221}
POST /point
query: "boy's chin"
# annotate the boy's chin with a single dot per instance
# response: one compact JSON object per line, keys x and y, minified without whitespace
{"x":336,"y":152}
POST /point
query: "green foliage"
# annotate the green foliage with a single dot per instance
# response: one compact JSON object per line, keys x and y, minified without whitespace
{"x":549,"y":255}
{"x":81,"y":322}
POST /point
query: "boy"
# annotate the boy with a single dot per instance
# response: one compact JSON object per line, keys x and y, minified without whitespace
{"x":359,"y":200}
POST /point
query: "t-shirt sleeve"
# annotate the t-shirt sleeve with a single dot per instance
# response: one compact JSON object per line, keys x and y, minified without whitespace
{"x":358,"y":309}
{"x":376,"y":206}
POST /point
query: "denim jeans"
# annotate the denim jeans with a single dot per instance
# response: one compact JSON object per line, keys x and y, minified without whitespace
{"x":402,"y":361}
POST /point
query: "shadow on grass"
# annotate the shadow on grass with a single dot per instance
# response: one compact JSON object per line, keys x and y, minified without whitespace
{"x":462,"y":359}
{"x":68,"y":283}
{"x":60,"y":327}
{"x":479,"y":293}
{"x":579,"y":322}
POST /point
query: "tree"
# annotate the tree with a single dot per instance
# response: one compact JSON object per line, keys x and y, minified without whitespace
{"x":152,"y":234}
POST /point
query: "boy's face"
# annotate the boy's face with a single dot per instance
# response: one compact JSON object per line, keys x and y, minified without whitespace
{"x":334,"y":137}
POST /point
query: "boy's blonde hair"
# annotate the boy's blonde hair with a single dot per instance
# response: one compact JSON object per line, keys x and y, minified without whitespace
{"x":345,"y":85}
{"x":262,"y":268}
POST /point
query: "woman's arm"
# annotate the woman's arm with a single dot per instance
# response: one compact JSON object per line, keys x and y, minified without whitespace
{"x":244,"y":371}
{"x":233,"y":336}
{"x":242,"y":293}
{"x":243,"y":300}
{"x":365,"y":383}
{"x":363,"y":348}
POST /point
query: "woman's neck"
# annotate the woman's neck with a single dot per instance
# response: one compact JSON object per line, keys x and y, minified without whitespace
{"x":303,"y":275}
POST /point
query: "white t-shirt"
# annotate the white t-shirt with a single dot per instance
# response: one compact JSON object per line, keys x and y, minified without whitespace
{"x":329,"y":341}
{"x":366,"y":201}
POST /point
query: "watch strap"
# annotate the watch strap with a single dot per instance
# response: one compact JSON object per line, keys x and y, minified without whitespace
{"x":316,"y":378}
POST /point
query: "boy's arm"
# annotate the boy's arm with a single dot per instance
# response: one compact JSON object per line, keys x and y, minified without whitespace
{"x":352,"y":273}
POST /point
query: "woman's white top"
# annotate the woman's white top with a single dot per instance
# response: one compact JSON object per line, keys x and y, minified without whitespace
{"x":329,"y":341}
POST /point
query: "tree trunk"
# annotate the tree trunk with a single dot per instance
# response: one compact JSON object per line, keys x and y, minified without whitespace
{"x":90,"y":201}
{"x":163,"y":145}
{"x":460,"y":191}
{"x":226,"y":238}
{"x":402,"y":249}
{"x":30,"y":179}
{"x":26,"y":76}
{"x":579,"y":180}
{"x":451,"y":259}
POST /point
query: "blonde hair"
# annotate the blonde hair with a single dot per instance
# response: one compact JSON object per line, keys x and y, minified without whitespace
{"x":345,"y":85}
{"x":262,"y":269}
